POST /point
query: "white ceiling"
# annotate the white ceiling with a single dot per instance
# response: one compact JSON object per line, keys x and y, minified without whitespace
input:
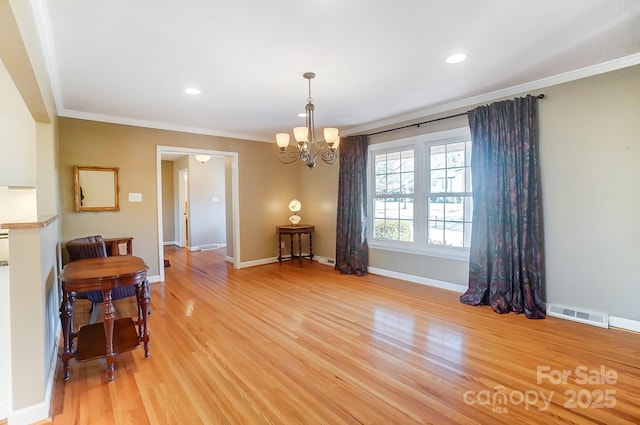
{"x":128,"y":61}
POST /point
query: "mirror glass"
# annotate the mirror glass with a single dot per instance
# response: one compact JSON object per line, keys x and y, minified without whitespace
{"x":96,"y":189}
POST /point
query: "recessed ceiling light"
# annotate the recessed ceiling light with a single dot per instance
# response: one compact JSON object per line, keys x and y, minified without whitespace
{"x":456,"y":58}
{"x":192,"y":90}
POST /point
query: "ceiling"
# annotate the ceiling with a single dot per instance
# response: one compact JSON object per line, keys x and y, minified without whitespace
{"x":129,"y":61}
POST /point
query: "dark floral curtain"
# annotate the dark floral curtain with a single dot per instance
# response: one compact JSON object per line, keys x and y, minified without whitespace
{"x":352,"y":251}
{"x":505,"y":264}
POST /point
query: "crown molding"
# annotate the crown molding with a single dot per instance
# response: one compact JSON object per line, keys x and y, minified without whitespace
{"x":42,"y":18}
{"x":41,"y":15}
{"x":566,"y":77}
{"x":69,"y":113}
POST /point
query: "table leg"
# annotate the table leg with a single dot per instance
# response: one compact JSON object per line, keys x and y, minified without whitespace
{"x":142,"y":292}
{"x":66,"y":317}
{"x":293,"y":255}
{"x":311,"y":247}
{"x":109,"y":317}
{"x":300,"y":248}
{"x":280,"y":248}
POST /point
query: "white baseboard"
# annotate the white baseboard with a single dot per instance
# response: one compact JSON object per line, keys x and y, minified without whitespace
{"x":402,"y":276}
{"x":614,"y":322}
{"x":419,"y":279}
{"x":48,"y":393}
{"x":622,"y":323}
{"x":154,"y":278}
{"x":41,"y":411}
{"x":165,"y":243}
{"x":258,"y":262}
{"x":5,"y":409}
{"x":263,"y":261}
{"x":211,"y":246}
{"x":267,"y":261}
{"x":28,"y":415}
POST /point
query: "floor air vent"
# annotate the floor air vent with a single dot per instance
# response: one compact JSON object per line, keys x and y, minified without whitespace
{"x":578,"y":315}
{"x":326,"y":261}
{"x":209,"y":247}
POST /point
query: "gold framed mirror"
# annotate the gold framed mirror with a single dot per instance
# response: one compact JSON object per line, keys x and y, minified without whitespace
{"x":96,"y":189}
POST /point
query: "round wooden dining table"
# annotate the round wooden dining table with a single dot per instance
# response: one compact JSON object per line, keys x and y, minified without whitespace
{"x":111,"y":336}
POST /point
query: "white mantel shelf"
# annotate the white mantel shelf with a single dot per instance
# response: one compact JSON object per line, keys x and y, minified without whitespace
{"x":29,"y":222}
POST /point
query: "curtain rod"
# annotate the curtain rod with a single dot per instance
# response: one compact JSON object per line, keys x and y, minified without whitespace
{"x":540,"y":96}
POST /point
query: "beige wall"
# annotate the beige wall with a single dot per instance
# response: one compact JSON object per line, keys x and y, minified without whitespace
{"x":168,"y":214}
{"x":180,"y":164}
{"x":21,"y":53}
{"x":590,"y":168}
{"x":589,"y":159}
{"x":319,"y":197}
{"x":228,"y":166}
{"x":16,"y":124}
{"x":207,"y":219}
{"x":265,"y":185}
{"x":47,"y":161}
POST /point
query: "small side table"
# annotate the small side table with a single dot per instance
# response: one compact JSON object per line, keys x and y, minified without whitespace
{"x":112,"y":336}
{"x":299,"y":230}
{"x":113,"y":245}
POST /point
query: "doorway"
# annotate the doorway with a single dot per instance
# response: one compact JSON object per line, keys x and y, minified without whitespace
{"x":168,"y":152}
{"x":182,"y":230}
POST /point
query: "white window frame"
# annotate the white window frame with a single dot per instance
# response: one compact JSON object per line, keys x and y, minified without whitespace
{"x":372,"y":179}
{"x":420,"y":145}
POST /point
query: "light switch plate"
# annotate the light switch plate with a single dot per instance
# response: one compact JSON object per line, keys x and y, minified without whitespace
{"x":135,"y":197}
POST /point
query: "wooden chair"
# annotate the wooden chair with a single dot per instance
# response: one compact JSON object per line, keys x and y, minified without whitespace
{"x":94,"y":247}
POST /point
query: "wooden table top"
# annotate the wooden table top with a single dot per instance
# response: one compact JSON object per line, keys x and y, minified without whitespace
{"x":296,"y":228}
{"x":111,"y":269}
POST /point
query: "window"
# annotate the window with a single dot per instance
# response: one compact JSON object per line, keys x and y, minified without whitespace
{"x":420,"y":198}
{"x":449,"y":199}
{"x":393,"y":198}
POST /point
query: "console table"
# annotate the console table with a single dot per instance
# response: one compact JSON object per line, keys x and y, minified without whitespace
{"x":299,"y":230}
{"x":113,"y":245}
{"x":112,"y":336}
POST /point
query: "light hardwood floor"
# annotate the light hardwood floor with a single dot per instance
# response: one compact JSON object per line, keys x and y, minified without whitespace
{"x":303,"y":344}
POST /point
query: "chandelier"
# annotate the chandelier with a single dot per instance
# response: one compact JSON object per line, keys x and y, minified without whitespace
{"x":307,"y":148}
